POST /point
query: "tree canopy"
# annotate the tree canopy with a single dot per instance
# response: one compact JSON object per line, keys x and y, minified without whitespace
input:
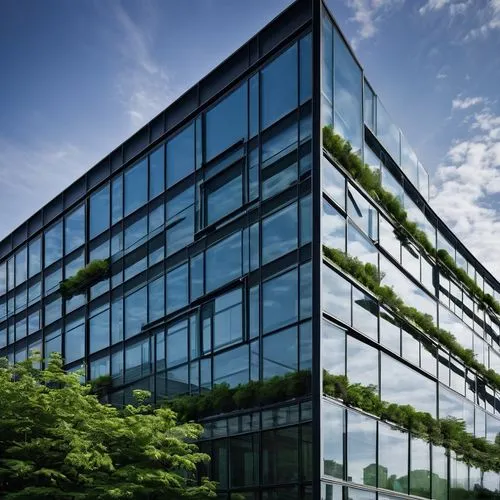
{"x":57,"y":440}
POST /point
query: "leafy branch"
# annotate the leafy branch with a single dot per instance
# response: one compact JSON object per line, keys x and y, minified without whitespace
{"x":92,"y":273}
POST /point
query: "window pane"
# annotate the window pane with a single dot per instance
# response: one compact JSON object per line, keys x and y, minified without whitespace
{"x":135,"y":312}
{"x":336,"y":295}
{"x":53,"y":310}
{"x":305,"y":68}
{"x":393,"y":459}
{"x":177,"y":343}
{"x":74,"y":229}
{"x":223,"y":262}
{"x":180,"y":221}
{"x":99,"y":211}
{"x":197,"y":287}
{"x":232,"y":367}
{"x":280,"y":353}
{"x":228,"y":319}
{"x":332,"y":421}
{"x":280,"y":462}
{"x":53,"y":244}
{"x":156,"y":172}
{"x":177,"y":288}
{"x":180,"y":156}
{"x":74,"y":346}
{"x":226,"y":123}
{"x":348,"y":94}
{"x":35,"y":249}
{"x":137,"y":360}
{"x":361,"y":449}
{"x":136,"y":186}
{"x":156,"y":304}
{"x":280,"y":301}
{"x":279,"y":233}
{"x":333,"y":182}
{"x":117,"y":199}
{"x":279,"y":87}
{"x":21,"y":266}
{"x":224,"y":194}
{"x":99,"y":331}
{"x":244,"y":452}
{"x":334,"y":227}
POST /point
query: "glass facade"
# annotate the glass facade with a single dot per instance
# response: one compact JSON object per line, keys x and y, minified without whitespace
{"x":212,"y":249}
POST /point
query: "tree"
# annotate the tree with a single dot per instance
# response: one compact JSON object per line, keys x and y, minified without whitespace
{"x":57,"y":440}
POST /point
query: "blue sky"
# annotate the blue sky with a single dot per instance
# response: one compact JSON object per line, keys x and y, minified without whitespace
{"x":80,"y":77}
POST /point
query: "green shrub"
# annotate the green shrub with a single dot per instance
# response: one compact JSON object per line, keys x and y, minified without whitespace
{"x":92,"y":273}
{"x":405,"y":229}
{"x":389,"y":297}
{"x":448,"y":432}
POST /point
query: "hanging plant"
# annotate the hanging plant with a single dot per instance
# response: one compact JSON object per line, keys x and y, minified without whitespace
{"x":92,"y":273}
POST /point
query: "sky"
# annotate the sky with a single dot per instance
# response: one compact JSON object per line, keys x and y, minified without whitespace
{"x":78,"y":78}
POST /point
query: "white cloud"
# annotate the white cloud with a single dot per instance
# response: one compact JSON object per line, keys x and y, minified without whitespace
{"x":143,"y":86}
{"x":455,"y":7}
{"x":31,"y":176}
{"x":467,"y":102}
{"x":368,"y":13}
{"x":441,"y":75}
{"x":466,"y":189}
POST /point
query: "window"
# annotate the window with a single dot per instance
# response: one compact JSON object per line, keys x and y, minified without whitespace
{"x":117,"y":321}
{"x":393,"y":457}
{"x":180,"y":155}
{"x":180,"y":221}
{"x":279,"y":233}
{"x":364,"y":313}
{"x":21,"y":266}
{"x":336,"y":295}
{"x":280,"y":353}
{"x":117,"y":199}
{"x":137,"y":360}
{"x":177,"y":343}
{"x":361,"y":449}
{"x":52,"y":310}
{"x":53,"y":244}
{"x":223,"y":194}
{"x":33,"y":322}
{"x":226,"y":123}
{"x":359,"y":246}
{"x":99,"y":211}
{"x":52,"y":344}
{"x":135,"y":232}
{"x":135,"y":312}
{"x":253,"y":119}
{"x":305,"y":68}
{"x":333,"y":437}
{"x":74,"y":346}
{"x":156,"y":303}
{"x":177,"y":288}
{"x":228,"y":319}
{"x":156,"y":172}
{"x":348,"y":120}
{"x":74,"y":229}
{"x":72,"y":266}
{"x":223,"y":262}
{"x":244,"y":452}
{"x":136,"y":186}
{"x":279,"y":93}
{"x":197,"y":265}
{"x":333,"y":182}
{"x":232,"y":367}
{"x":3,"y":278}
{"x":334,"y":227}
{"x":279,"y":158}
{"x":369,"y":107}
{"x":387,"y":132}
{"x":99,"y":367}
{"x":99,"y":327}
{"x":305,"y":219}
{"x":362,"y":213}
{"x":52,"y":279}
{"x":280,"y":301}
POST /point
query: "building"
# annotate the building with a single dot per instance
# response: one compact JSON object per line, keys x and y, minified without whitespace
{"x":208,"y":226}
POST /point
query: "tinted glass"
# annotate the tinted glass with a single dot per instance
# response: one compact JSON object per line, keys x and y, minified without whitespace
{"x":135,"y":312}
{"x":361,"y":449}
{"x":177,"y":288}
{"x":75,"y":229}
{"x":334,"y":227}
{"x":99,"y":211}
{"x":136,"y":186}
{"x":228,"y":319}
{"x":226,"y":123}
{"x":156,"y":172}
{"x":180,"y":155}
{"x":336,"y":295}
{"x":279,"y":233}
{"x":280,"y":353}
{"x":53,"y":244}
{"x":180,"y":221}
{"x":99,"y":331}
{"x":223,"y":262}
{"x":74,"y":345}
{"x":34,"y":258}
{"x":332,"y":422}
{"x":279,"y":87}
{"x":177,"y":343}
{"x":280,"y":301}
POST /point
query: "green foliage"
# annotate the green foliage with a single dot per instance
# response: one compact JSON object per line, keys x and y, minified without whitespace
{"x":389,"y":297}
{"x":223,"y":399}
{"x":370,"y":180}
{"x":93,"y":272}
{"x":58,"y":441}
{"x":448,"y":432}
